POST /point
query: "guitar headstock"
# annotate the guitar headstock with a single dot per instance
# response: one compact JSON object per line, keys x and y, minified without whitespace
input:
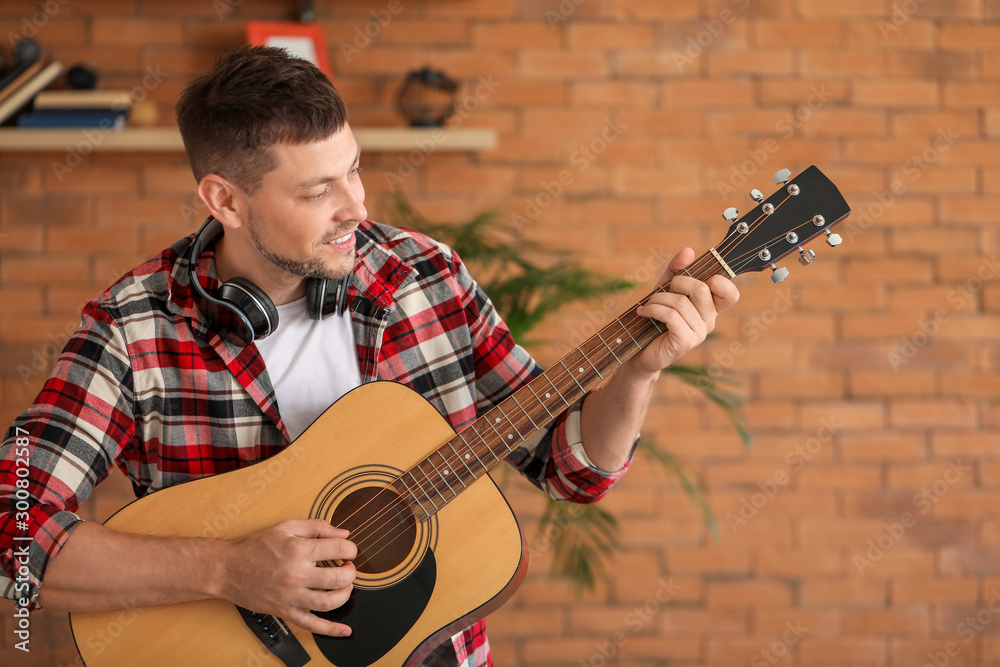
{"x":801,"y":209}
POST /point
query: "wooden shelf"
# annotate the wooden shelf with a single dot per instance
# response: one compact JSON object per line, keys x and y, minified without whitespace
{"x":167,"y":139}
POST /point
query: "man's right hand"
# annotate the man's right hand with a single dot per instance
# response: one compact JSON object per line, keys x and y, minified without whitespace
{"x":276,"y":571}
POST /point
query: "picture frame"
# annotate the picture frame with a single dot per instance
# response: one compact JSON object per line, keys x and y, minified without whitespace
{"x":304,"y":40}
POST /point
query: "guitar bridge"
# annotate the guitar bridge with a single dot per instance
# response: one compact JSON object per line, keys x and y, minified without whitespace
{"x":276,"y":637}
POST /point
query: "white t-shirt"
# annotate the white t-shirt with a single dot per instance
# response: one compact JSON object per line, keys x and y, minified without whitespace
{"x":311,"y":363}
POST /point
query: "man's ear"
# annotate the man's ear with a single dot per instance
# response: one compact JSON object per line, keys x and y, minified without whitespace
{"x":224,"y":200}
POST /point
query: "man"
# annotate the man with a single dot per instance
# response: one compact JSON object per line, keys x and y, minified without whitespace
{"x":153,"y":383}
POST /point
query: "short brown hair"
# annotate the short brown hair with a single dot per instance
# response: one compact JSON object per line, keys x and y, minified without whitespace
{"x":255,"y":97}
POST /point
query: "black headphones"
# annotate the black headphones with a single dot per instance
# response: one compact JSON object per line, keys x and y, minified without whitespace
{"x":242,"y":312}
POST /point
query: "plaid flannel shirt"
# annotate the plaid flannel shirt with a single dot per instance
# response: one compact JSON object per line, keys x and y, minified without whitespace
{"x":144,"y":384}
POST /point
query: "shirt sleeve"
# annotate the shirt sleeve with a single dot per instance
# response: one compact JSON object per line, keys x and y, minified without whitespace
{"x":56,"y":452}
{"x":553,"y":459}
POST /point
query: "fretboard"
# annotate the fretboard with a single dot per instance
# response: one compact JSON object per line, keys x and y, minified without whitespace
{"x":474,"y":451}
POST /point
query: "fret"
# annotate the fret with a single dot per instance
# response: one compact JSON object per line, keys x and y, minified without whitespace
{"x":495,"y":430}
{"x":592,"y":365}
{"x":406,"y":488}
{"x":485,"y":442}
{"x":582,"y":388}
{"x":513,"y":397}
{"x":551,"y":384}
{"x":472,"y":449}
{"x":447,"y":473}
{"x":464,"y":461}
{"x":428,"y":497}
{"x":629,"y":334}
{"x":545,"y":407}
{"x":601,"y":338}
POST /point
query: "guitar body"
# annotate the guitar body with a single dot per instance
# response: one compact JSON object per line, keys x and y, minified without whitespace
{"x":440,"y":575}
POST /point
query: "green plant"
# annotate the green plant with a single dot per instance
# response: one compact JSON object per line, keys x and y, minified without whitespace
{"x":527,"y":282}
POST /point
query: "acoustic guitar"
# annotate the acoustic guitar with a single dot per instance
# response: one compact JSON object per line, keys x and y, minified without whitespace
{"x":438,"y":546}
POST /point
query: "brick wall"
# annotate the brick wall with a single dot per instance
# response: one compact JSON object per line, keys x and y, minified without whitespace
{"x":861,"y":529}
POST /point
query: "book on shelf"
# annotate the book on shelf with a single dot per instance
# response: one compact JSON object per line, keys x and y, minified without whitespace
{"x":84,"y":99}
{"x":29,"y":89}
{"x":19,"y":80}
{"x":105,"y":119}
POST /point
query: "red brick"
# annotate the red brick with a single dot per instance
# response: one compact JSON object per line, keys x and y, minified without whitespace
{"x":701,"y":93}
{"x":430,"y":32}
{"x":916,"y":33}
{"x":930,"y":123}
{"x":971,"y":95}
{"x":797,"y":91}
{"x":758,"y":63}
{"x":939,"y":413}
{"x":116,"y":30}
{"x":556,"y":64}
{"x":608,"y":36}
{"x":847,"y":591}
{"x":934,"y":64}
{"x":652,"y":9}
{"x":634,"y":95}
{"x":899,"y":447}
{"x":887,"y":622}
{"x":799,"y":32}
{"x":893,"y":92}
{"x":758,"y":594}
{"x":962,"y":36}
{"x":963,"y":443}
{"x":514,"y":35}
{"x":840,"y":476}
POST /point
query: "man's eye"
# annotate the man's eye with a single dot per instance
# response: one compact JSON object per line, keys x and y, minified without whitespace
{"x":317,"y":196}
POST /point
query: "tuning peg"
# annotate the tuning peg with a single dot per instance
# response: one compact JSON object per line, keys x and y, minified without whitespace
{"x":782,"y":176}
{"x":730,"y":214}
{"x":833,"y":239}
{"x":756,"y":195}
{"x":806,"y":257}
{"x":778,"y":274}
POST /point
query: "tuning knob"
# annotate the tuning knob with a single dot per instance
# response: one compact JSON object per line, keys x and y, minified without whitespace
{"x":833,"y":239}
{"x":730,"y":214}
{"x":806,"y":257}
{"x":782,"y":176}
{"x":778,"y":274}
{"x":756,"y":195}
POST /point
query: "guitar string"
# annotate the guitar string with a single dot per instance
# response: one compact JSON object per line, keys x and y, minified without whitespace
{"x":516,"y":422}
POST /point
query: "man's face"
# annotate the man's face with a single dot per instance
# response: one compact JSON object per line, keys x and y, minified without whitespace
{"x":303,"y":216}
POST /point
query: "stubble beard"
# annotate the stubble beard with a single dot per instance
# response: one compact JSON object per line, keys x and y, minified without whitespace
{"x":314,"y":267}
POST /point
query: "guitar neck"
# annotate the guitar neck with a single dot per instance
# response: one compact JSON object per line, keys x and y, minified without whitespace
{"x":473,"y":452}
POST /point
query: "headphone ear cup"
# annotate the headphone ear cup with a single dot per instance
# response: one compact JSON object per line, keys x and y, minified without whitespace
{"x":315,"y":297}
{"x":254,"y":303}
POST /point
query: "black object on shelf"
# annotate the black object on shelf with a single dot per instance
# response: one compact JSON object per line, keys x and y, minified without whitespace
{"x":427,"y":97}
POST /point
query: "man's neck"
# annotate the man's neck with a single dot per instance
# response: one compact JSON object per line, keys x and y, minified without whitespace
{"x":280,"y":286}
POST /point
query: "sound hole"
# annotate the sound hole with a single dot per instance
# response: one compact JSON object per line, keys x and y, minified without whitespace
{"x":382,"y":526}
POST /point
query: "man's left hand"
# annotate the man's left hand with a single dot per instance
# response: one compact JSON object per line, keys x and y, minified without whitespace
{"x":688,"y":310}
